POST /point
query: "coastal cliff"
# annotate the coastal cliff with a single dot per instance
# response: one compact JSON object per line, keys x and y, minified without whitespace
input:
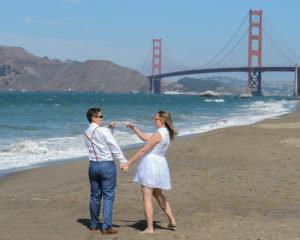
{"x":22,"y":71}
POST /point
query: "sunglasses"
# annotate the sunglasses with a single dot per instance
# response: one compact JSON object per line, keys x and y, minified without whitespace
{"x":158,"y":118}
{"x":99,"y":116}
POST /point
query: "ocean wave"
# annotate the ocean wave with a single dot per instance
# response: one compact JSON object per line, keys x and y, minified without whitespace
{"x":214,"y":100}
{"x":17,"y":127}
{"x":26,"y":147}
{"x":28,"y":152}
{"x":24,"y":153}
{"x":181,"y":117}
{"x":250,"y":114}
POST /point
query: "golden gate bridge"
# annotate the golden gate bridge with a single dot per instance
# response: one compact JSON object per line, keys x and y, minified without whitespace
{"x":242,"y":53}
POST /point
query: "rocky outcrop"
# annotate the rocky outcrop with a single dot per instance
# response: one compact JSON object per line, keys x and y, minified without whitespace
{"x":209,"y":94}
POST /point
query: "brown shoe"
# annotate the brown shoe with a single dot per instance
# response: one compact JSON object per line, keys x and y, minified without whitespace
{"x":93,"y":229}
{"x":110,"y":231}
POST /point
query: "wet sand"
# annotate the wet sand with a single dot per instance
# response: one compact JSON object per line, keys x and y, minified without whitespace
{"x":232,"y":183}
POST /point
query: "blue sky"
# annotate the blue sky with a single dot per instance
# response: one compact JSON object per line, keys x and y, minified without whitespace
{"x":122,"y":30}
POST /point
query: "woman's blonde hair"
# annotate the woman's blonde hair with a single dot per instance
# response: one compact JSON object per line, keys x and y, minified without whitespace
{"x":168,"y":122}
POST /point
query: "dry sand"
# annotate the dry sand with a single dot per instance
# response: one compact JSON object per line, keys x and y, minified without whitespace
{"x":232,"y":183}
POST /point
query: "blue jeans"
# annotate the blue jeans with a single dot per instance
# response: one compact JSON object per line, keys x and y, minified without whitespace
{"x":103,"y":180}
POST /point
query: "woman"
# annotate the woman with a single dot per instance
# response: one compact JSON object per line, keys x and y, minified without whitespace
{"x":153,"y":172}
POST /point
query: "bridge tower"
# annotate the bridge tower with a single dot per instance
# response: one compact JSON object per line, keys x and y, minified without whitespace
{"x":254,"y":52}
{"x":155,"y":84}
{"x":297,"y":81}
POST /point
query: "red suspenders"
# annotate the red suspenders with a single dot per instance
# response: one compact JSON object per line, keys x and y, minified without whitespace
{"x":90,"y":139}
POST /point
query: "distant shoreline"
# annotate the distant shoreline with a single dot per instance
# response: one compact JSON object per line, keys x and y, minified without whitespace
{"x":118,"y":93}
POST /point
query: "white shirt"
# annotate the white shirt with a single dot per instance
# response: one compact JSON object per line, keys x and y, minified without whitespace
{"x":104,"y":143}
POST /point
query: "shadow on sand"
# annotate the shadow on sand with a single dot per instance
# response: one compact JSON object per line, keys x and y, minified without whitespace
{"x":139,"y":225}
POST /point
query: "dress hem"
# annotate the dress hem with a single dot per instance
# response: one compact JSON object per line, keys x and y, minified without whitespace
{"x":153,"y":186}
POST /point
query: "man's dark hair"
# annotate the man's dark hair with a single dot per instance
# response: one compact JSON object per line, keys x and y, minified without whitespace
{"x":92,"y":112}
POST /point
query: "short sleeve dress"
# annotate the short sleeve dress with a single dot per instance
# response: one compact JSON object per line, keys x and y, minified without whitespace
{"x":153,"y":170}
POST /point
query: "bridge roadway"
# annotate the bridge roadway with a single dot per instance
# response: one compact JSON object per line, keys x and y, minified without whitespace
{"x":214,"y":70}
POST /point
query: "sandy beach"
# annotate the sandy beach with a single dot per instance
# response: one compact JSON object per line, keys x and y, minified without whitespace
{"x":232,"y":183}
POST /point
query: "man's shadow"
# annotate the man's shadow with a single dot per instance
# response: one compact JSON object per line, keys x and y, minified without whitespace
{"x":86,"y":222}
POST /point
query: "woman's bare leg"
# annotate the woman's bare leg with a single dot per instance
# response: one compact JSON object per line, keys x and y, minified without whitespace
{"x":164,"y":204}
{"x":148,"y":208}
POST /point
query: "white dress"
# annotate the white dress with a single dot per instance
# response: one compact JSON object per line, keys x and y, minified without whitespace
{"x":153,"y":170}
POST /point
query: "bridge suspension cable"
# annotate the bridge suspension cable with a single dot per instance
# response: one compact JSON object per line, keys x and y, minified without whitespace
{"x":228,"y":42}
{"x":284,"y":42}
{"x":279,"y":49}
{"x":230,"y":50}
{"x":146,"y":68}
{"x":168,"y":57}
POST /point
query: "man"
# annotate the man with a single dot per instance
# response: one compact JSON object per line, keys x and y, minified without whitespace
{"x":102,"y":170}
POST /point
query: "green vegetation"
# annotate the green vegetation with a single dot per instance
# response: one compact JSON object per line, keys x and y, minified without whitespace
{"x":6,"y":69}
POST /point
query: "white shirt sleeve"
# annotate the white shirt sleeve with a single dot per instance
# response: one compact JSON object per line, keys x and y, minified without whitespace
{"x":113,"y":146}
{"x":86,"y":141}
{"x":112,"y":130}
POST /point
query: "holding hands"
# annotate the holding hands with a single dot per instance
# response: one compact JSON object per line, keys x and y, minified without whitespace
{"x":124,"y":167}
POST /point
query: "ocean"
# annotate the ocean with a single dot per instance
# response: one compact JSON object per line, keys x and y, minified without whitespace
{"x":38,"y":129}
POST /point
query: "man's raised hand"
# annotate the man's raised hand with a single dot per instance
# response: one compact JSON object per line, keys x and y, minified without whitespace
{"x":112,"y":124}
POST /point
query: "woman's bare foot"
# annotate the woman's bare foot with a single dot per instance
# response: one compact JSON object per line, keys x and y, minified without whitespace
{"x":172,"y":226}
{"x":146,"y":231}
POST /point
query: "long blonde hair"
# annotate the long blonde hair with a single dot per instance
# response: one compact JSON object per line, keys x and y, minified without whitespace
{"x":168,"y":122}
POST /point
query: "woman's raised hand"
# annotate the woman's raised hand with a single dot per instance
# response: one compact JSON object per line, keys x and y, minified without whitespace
{"x":128,"y":124}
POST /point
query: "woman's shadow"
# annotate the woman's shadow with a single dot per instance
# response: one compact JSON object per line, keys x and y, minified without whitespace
{"x":141,"y":225}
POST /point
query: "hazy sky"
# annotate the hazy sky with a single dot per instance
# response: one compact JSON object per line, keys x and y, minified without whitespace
{"x":122,"y":30}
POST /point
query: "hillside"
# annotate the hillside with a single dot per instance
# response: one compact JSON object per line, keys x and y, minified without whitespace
{"x":225,"y":85}
{"x":21,"y":70}
{"x":197,"y":85}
